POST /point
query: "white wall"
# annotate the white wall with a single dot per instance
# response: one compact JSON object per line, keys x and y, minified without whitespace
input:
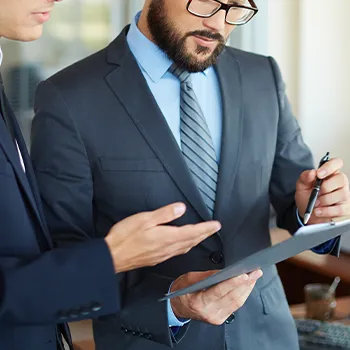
{"x":312,"y":47}
{"x":325,"y":77}
{"x":283,"y":43}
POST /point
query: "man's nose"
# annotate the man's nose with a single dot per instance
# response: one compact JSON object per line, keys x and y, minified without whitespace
{"x":217,"y":22}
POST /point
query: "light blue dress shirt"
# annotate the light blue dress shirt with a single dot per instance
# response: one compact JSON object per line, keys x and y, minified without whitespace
{"x":165,"y":87}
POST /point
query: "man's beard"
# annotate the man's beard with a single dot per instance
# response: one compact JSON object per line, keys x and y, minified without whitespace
{"x":170,"y":41}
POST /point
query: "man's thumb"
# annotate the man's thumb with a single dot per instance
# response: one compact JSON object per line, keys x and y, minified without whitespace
{"x":306,"y":180}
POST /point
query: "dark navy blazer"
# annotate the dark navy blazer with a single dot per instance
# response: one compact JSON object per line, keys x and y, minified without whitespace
{"x":41,"y":287}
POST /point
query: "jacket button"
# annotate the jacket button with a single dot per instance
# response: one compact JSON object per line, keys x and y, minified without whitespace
{"x":74,"y":313}
{"x":62,"y":315}
{"x":96,"y":307}
{"x":84,"y":311}
{"x":216,"y":257}
{"x":230,"y":319}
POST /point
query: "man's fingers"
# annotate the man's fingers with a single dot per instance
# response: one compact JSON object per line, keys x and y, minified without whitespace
{"x":333,"y":198}
{"x":191,"y":278}
{"x":199,"y":231}
{"x":244,"y":282}
{"x":175,"y":241}
{"x":165,"y":214}
{"x":218,"y":312}
{"x":217,"y":292}
{"x":336,"y":211}
{"x":235,"y":299}
{"x":191,"y":236}
{"x":194,"y":277}
{"x":333,"y":166}
{"x":306,"y":180}
{"x":255,"y":275}
{"x":214,"y":304}
{"x":334,"y":183}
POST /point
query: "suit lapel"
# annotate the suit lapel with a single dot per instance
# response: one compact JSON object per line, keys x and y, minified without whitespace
{"x":26,"y":179}
{"x":147,"y":116}
{"x":229,"y":75}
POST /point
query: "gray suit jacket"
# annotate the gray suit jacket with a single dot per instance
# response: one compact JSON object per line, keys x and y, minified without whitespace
{"x":102,"y":151}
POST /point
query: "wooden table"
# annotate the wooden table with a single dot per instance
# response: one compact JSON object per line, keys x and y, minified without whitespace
{"x":82,"y":335}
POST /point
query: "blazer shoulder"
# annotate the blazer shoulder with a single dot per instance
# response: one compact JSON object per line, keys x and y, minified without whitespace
{"x":248,"y":58}
{"x":81,"y":72}
{"x":256,"y":66}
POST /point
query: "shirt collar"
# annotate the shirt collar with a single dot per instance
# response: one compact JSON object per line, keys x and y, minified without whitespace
{"x":150,"y":57}
{"x":1,"y":56}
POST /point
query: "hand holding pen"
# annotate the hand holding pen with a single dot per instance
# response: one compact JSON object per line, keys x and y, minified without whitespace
{"x":323,"y":194}
{"x":315,"y":192}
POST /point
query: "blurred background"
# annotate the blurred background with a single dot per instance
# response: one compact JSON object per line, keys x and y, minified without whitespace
{"x":308,"y":38}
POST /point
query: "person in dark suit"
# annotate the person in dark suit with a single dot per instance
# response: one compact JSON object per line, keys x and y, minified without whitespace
{"x":41,"y":286}
{"x":168,"y":113}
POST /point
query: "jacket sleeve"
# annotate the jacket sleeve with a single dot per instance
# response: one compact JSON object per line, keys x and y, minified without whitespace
{"x":142,"y":311}
{"x":291,"y":159}
{"x":62,"y":285}
{"x":62,"y":169}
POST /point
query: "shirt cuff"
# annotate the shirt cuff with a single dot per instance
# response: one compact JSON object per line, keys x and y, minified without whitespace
{"x":300,"y":222}
{"x":173,"y":321}
{"x":324,"y":248}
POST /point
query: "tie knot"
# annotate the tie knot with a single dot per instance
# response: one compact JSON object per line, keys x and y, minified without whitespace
{"x":180,"y":73}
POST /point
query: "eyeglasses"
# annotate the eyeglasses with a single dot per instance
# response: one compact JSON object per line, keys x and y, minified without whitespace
{"x":237,"y":13}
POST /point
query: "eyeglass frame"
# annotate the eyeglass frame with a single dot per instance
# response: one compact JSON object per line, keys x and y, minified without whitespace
{"x":227,"y":8}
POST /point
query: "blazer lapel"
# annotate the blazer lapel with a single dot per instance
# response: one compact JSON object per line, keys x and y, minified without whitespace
{"x":229,"y":75}
{"x":26,"y":179}
{"x":147,"y":116}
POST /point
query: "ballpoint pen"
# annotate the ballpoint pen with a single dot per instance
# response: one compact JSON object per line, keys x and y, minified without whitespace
{"x":315,"y":192}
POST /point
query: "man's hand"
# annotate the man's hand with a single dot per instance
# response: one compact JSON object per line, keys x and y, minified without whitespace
{"x":216,"y":304}
{"x":143,"y":239}
{"x":334,"y":198}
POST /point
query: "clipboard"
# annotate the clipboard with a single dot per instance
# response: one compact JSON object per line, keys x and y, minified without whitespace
{"x":305,"y":238}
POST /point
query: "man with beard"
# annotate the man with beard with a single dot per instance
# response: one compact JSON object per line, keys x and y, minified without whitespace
{"x":168,"y":113}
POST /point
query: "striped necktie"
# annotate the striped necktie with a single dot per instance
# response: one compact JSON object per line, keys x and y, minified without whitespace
{"x":196,"y":142}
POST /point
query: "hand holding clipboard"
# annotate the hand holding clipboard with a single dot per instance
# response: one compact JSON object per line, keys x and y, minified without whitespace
{"x":305,"y":238}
